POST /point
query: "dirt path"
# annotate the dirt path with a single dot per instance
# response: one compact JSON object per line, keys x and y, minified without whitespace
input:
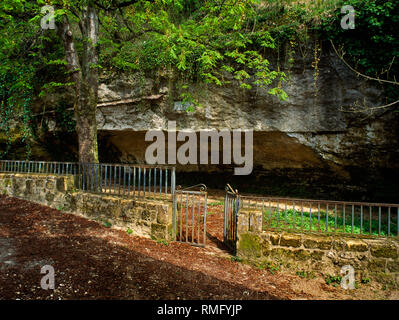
{"x":95,"y":262}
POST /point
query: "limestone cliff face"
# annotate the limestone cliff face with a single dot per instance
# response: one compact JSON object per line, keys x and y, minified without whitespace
{"x":305,"y":141}
{"x":305,"y":146}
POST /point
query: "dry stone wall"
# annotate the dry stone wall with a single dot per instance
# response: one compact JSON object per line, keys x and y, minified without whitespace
{"x":371,"y":257}
{"x":144,"y":218}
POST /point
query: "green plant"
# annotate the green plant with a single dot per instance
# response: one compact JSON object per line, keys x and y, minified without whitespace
{"x":269,"y":265}
{"x":236,"y":259}
{"x":129,"y":231}
{"x":107,"y":224}
{"x":163,"y":241}
{"x":333,"y":280}
{"x":365,"y":280}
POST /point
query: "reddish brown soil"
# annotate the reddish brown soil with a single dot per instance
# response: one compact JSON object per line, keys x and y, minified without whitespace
{"x":95,"y":262}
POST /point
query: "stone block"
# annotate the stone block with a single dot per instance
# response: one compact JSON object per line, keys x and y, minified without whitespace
{"x":384,"y":251}
{"x":377,"y":265}
{"x":163,"y":214}
{"x":275,"y":238}
{"x":291,"y":240}
{"x":249,"y":245}
{"x":159,"y":231}
{"x":356,"y":245}
{"x":313,"y":242}
{"x":50,"y":185}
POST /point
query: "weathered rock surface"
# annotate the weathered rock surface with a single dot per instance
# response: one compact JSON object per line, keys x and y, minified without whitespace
{"x":307,"y":139}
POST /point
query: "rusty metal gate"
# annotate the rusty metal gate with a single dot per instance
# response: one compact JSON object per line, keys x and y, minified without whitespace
{"x":231,"y":207}
{"x":189,"y":215}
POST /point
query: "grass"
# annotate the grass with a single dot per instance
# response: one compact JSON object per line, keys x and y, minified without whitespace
{"x":217,"y":203}
{"x":306,"y":221}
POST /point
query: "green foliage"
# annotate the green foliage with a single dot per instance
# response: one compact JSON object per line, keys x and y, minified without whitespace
{"x":25,"y":53}
{"x":373,"y":46}
{"x":162,"y":241}
{"x":333,"y":280}
{"x":365,"y":280}
{"x":64,"y":117}
{"x":306,"y":274}
{"x":269,"y":265}
{"x":236,"y":259}
{"x":129,"y":231}
{"x":216,"y":203}
{"x":323,"y":222}
{"x":194,"y":40}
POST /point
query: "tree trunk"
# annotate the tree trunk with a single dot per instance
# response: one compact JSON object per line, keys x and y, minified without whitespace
{"x":85,"y":77}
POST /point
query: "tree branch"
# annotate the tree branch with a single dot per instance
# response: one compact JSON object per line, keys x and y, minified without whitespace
{"x":359,"y":73}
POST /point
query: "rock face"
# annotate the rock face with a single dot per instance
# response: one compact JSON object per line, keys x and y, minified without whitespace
{"x":305,"y":146}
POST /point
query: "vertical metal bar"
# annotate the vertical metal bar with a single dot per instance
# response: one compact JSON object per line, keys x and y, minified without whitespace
{"x":318,"y":215}
{"x":119,"y":179}
{"x":173,"y":183}
{"x":225,"y":215}
{"x":278,"y":213}
{"x":149,"y":183}
{"x":92,"y":177}
{"x":114,"y":167}
{"x":155,"y":182}
{"x":105,"y":178}
{"x":199,"y":216}
{"x":335,"y":217}
{"x":124,"y":180}
{"x":160,"y":184}
{"x":128,"y":180}
{"x":371,"y":218}
{"x":186,"y":216}
{"x":166,"y":183}
{"x":139,"y":183}
{"x":181,"y":215}
{"x":134,"y":181}
{"x":270,"y":214}
{"x":293,"y":214}
{"x":79,"y":169}
{"x":205,"y":202}
{"x":285,"y":213}
{"x":327,"y":217}
{"x":193,"y":213}
{"x":144,"y":178}
{"x":361,"y":219}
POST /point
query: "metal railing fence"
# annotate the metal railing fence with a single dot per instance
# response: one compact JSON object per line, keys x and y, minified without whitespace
{"x":189,"y":215}
{"x":362,"y":218}
{"x":142,"y":181}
